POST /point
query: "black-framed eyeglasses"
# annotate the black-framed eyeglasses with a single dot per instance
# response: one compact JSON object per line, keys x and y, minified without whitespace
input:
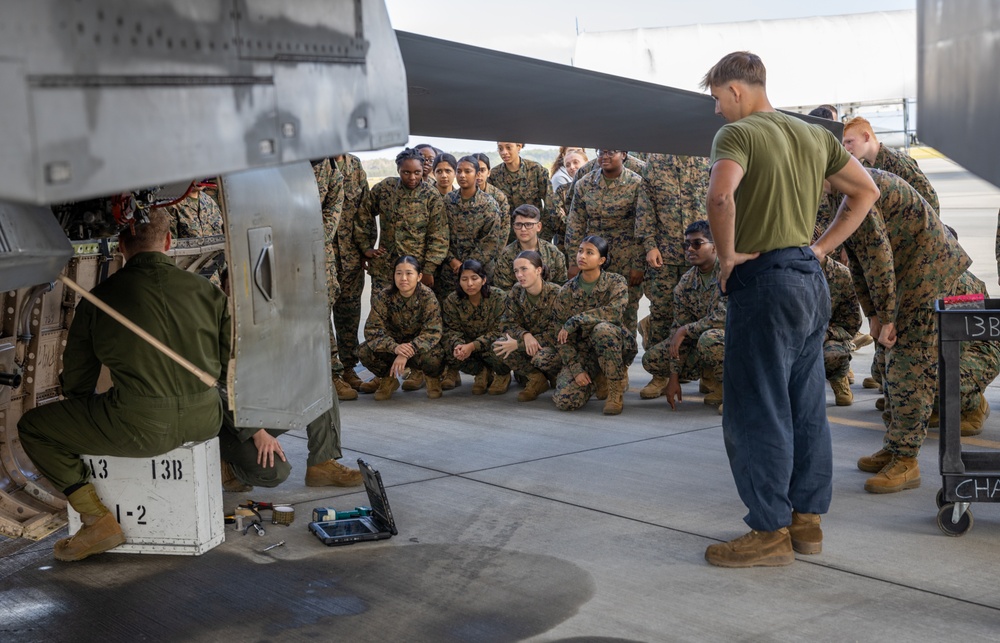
{"x":696,"y":244}
{"x":524,"y":225}
{"x":607,"y":152}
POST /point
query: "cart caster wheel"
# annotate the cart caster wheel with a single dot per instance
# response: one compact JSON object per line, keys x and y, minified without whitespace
{"x":950,"y":528}
{"x":939,"y":499}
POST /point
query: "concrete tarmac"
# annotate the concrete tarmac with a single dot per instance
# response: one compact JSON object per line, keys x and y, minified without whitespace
{"x":519,"y":522}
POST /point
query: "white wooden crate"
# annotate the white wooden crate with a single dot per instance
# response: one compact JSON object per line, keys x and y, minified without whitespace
{"x":170,"y":504}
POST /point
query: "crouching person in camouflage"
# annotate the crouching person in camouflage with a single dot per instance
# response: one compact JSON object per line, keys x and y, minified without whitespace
{"x":594,"y":346}
{"x":403,"y":329}
{"x":528,"y":343}
{"x":845,"y":321}
{"x":471,"y":322}
{"x":696,"y":346}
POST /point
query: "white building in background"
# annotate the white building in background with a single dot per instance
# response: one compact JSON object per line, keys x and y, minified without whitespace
{"x":864,"y":64}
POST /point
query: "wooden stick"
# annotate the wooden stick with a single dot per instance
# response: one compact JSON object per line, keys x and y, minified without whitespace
{"x":207,"y":379}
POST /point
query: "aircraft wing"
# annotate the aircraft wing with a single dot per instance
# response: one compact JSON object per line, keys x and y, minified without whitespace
{"x":461,"y":91}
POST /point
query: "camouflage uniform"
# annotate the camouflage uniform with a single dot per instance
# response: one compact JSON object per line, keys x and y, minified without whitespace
{"x":412,"y":222}
{"x":610,"y":209}
{"x":350,"y":259}
{"x":598,"y":342}
{"x":558,"y":233}
{"x":677,"y":187}
{"x":196,"y":215}
{"x":901,"y":260}
{"x":701,"y":308}
{"x":552,"y":258}
{"x":472,"y":230}
{"x":530,"y":184}
{"x":979,"y":362}
{"x":828,"y":206}
{"x":504,"y":204}
{"x":521,"y":316}
{"x":845,"y":320}
{"x":395,"y":320}
{"x":464,"y":323}
{"x":330,"y":183}
{"x":903,"y":165}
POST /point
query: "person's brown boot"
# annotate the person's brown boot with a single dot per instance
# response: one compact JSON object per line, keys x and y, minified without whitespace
{"x":386,"y":387}
{"x":537,"y":384}
{"x":230,"y":482}
{"x":601,"y":386}
{"x":481,"y":382}
{"x":352,"y":379}
{"x":99,"y":533}
{"x":499,"y":385}
{"x":714,"y":395}
{"x":850,"y":376}
{"x":842,"y":394}
{"x":869,"y":382}
{"x":755,"y":549}
{"x":902,"y":472}
{"x":861,"y":340}
{"x":371,"y":385}
{"x":433,"y":387}
{"x":643,"y":327}
{"x":415,"y":380}
{"x":344,"y":390}
{"x":332,"y":474}
{"x":880,"y":403}
{"x":972,"y":422}
{"x":875,"y":462}
{"x":703,"y":386}
{"x":655,"y":387}
{"x":451,"y":379}
{"x":806,"y":534}
{"x":616,"y":390}
{"x":934,"y":421}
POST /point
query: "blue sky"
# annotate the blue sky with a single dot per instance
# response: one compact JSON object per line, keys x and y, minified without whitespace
{"x":548,"y":29}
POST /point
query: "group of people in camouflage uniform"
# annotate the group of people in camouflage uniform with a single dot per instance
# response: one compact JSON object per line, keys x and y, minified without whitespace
{"x":506,"y":275}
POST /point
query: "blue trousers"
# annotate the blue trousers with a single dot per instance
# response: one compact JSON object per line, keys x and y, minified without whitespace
{"x":774,"y":419}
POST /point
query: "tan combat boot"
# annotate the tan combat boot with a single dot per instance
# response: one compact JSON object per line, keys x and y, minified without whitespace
{"x":875,"y":462}
{"x":231,"y":482}
{"x":902,"y":472}
{"x":880,"y":403}
{"x":850,"y":376}
{"x":870,"y":382}
{"x":414,"y":381}
{"x":934,"y":421}
{"x":537,"y":384}
{"x":601,"y":386}
{"x":481,"y":382}
{"x":386,"y":387}
{"x":344,"y":390}
{"x":842,"y":394}
{"x":433,"y":387}
{"x":714,"y":395}
{"x":972,"y":422}
{"x":332,"y":474}
{"x":371,"y":385}
{"x":499,"y":385}
{"x":100,"y":531}
{"x":807,"y":536}
{"x":451,"y":379}
{"x":655,"y":387}
{"x":616,"y":389}
{"x":352,"y":379}
{"x":861,"y":340}
{"x":643,"y":328}
{"x":755,"y":549}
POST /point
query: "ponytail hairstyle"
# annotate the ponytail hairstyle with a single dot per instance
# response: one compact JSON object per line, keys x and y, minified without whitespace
{"x":445,"y":158}
{"x":535,"y":260}
{"x":600,"y":244}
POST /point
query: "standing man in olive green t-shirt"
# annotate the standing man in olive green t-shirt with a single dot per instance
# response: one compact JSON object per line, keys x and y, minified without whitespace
{"x":767,"y":175}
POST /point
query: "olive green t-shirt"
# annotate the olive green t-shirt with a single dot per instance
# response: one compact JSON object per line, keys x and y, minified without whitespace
{"x":784,"y":160}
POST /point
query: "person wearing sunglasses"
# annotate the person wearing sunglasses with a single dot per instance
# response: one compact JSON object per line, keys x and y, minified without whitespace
{"x":696,"y":345}
{"x":527,"y":227}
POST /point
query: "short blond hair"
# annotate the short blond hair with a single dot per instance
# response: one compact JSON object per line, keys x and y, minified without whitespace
{"x":740,"y":66}
{"x":147,"y":236}
{"x":861,"y":125}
